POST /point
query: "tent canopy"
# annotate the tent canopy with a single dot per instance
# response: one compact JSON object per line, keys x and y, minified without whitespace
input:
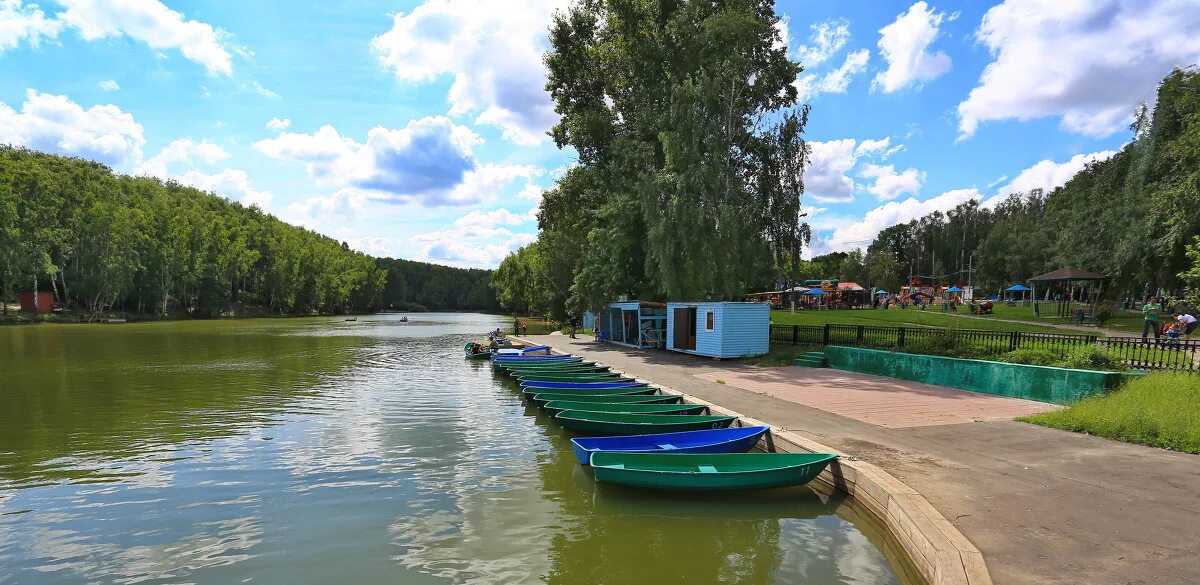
{"x":882,"y":292}
{"x":1017,"y":288}
{"x":814,"y":292}
{"x":1064,"y":274}
{"x":954,"y":289}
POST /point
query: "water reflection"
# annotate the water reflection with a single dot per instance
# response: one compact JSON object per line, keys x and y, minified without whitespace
{"x":318,"y":450}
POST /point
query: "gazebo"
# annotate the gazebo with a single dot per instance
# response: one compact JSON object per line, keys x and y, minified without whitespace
{"x":1065,"y":280}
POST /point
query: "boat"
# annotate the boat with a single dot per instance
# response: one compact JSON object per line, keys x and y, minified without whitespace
{"x":731,"y":440}
{"x":403,"y":319}
{"x":352,"y":319}
{"x":573,"y":377}
{"x":567,"y":369}
{"x":542,"y":398}
{"x":708,"y":471}
{"x":579,"y":385}
{"x":535,"y":359}
{"x":615,"y":391}
{"x":557,"y":406}
{"x":474,"y":351}
{"x":610,"y":423}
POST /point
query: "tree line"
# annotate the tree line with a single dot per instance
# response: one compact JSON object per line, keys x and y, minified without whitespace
{"x":101,"y":241}
{"x":690,"y":158}
{"x":1134,"y":217}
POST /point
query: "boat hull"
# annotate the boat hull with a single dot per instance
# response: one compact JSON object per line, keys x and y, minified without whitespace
{"x":579,"y":385}
{"x":604,"y":377}
{"x":731,"y":440}
{"x":738,"y":471}
{"x":542,"y":398}
{"x":617,"y":391}
{"x":603,"y":423}
{"x":557,"y":406}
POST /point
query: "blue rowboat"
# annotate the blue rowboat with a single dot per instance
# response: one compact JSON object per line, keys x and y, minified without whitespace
{"x":619,"y":391}
{"x":732,"y":440}
{"x":542,"y":398}
{"x":709,"y":471}
{"x":533,"y":358}
{"x":581,"y":385}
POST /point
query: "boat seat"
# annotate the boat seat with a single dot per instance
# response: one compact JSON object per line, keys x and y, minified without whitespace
{"x":667,"y":446}
{"x":706,"y":469}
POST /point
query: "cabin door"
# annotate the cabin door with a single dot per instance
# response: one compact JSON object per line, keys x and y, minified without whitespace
{"x":685,"y":328}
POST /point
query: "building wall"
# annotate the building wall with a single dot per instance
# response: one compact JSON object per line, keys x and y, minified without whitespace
{"x":740,"y":329}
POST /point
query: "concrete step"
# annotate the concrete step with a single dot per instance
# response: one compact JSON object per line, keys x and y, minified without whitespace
{"x":808,"y":362}
{"x":815,"y":354}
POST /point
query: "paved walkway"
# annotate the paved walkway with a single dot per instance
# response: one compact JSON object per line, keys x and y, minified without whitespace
{"x":1042,"y":505}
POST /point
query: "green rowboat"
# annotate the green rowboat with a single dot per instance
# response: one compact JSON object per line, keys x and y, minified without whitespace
{"x":557,"y":406}
{"x":542,"y":399}
{"x":623,"y":391}
{"x":573,"y":378}
{"x":728,"y":471}
{"x":565,"y":369}
{"x":606,"y":423}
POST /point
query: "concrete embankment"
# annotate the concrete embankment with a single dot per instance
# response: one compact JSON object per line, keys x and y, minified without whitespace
{"x":1040,"y":505}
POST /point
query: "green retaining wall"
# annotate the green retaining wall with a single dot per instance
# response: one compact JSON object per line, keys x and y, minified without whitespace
{"x":1042,"y":383}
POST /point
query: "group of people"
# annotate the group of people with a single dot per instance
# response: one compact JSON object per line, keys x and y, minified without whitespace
{"x":1181,"y":324}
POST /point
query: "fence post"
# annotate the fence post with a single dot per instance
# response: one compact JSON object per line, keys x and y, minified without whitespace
{"x":859,"y":340}
{"x":825,"y":335}
{"x":1013,"y":340}
{"x":900,"y":337}
{"x":795,"y":335}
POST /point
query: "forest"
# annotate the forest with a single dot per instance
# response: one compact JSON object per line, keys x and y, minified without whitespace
{"x":690,"y":158}
{"x":102,"y":241}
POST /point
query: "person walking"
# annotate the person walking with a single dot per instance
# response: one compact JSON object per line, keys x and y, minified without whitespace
{"x":574,"y":321}
{"x":1150,"y":318}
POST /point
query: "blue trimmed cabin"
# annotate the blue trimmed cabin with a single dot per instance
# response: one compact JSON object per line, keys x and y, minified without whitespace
{"x":719,"y":329}
{"x":636,"y":324}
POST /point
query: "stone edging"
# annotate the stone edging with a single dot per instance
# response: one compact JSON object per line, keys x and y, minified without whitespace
{"x":940,"y":552}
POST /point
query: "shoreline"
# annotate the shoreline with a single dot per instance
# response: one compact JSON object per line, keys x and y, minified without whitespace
{"x":1041,"y":505}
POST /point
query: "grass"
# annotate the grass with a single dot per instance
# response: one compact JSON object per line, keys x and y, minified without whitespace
{"x":1159,"y":410}
{"x":909,"y":317}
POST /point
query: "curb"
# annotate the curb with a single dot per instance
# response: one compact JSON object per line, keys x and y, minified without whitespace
{"x":939,"y":551}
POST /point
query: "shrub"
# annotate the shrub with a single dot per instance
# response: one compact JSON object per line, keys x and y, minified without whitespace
{"x":948,"y":344}
{"x":1091,"y":358}
{"x":1034,"y":357}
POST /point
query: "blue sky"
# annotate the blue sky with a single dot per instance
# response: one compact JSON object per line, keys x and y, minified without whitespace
{"x":416,"y":129}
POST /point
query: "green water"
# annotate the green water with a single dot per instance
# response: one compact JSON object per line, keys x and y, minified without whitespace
{"x":321,"y":451}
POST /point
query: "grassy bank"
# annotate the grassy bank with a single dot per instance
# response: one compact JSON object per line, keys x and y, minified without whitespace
{"x":1160,"y":410}
{"x":909,"y":317}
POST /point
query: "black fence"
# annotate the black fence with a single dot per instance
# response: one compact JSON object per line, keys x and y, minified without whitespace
{"x":1149,"y":354}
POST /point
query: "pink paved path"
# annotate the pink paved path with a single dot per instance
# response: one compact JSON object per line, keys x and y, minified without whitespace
{"x":879,"y":401}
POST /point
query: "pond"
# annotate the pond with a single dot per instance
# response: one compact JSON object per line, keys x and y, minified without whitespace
{"x":319,"y":450}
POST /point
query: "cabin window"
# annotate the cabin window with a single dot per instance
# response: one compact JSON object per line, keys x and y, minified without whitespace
{"x":710,"y":320}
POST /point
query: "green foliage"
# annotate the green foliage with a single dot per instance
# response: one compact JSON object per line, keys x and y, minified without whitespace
{"x":689,"y":176}
{"x":949,"y":344}
{"x":1030,"y":356}
{"x":1160,"y":410}
{"x":99,"y":240}
{"x":1091,"y":358}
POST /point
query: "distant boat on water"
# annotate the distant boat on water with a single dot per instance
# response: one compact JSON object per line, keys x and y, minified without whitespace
{"x":404,"y":319}
{"x":352,"y":319}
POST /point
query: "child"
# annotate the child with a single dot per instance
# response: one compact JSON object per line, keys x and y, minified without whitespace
{"x":1172,"y":331}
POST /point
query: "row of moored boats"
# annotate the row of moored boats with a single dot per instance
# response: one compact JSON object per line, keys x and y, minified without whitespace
{"x":640,"y":436}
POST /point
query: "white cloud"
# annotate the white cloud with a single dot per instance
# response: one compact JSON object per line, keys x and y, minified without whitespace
{"x":888,"y":183}
{"x":279,"y":125}
{"x":492,"y":50}
{"x":861,"y":233}
{"x":232,"y":184}
{"x":809,"y":86}
{"x":826,"y":178}
{"x":54,"y":123}
{"x":430,"y":161}
{"x":150,"y":22}
{"x":258,"y":88}
{"x":827,"y":39}
{"x":109,"y":85}
{"x":183,"y":150}
{"x":24,"y":23}
{"x":904,"y":45}
{"x":1088,"y":63}
{"x":1045,"y":174}
{"x":479,"y":239}
{"x":342,"y":205}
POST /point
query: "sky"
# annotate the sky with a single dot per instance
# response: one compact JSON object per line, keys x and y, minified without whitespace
{"x":418,"y":129}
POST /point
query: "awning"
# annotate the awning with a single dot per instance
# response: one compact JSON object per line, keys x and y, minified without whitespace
{"x":1018,"y":288}
{"x":954,"y":289}
{"x":814,"y":292}
{"x":882,"y":292}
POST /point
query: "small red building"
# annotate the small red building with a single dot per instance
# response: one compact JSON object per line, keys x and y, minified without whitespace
{"x":44,"y":301}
